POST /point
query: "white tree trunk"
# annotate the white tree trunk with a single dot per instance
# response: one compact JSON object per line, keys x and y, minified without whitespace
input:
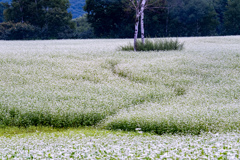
{"x":142,"y":20}
{"x":136,"y":30}
{"x":139,"y":7}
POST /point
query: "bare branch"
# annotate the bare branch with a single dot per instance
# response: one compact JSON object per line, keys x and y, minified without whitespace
{"x":132,"y":1}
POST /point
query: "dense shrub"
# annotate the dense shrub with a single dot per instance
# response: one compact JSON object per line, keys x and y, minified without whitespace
{"x":83,"y":28}
{"x":26,"y":31}
{"x":18,"y":31}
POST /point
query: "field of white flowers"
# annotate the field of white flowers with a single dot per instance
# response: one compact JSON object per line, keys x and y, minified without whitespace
{"x":72,"y":83}
{"x":93,"y":144}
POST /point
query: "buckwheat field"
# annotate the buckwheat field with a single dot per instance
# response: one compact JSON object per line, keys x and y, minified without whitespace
{"x":139,"y":105}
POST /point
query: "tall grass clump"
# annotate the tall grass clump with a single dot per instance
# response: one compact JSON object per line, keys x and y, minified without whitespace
{"x":155,"y":45}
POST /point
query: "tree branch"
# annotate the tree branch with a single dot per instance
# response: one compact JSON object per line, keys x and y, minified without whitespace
{"x":132,"y":1}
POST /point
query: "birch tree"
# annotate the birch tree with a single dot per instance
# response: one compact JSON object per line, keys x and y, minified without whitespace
{"x":142,"y":22}
{"x":139,"y":7}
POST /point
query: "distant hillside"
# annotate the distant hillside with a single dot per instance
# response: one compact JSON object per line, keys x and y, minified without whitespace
{"x":76,"y":7}
{"x":5,"y":0}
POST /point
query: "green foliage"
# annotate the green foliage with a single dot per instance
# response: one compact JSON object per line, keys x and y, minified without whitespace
{"x":109,"y":19}
{"x":9,"y":30}
{"x":76,"y":7}
{"x":186,"y":18}
{"x":43,"y":118}
{"x":1,"y":12}
{"x":174,"y":18}
{"x":220,"y":8}
{"x":51,"y":17}
{"x":155,"y":45}
{"x":83,"y":27}
{"x":12,"y":131}
{"x":192,"y":18}
{"x":232,"y":17}
{"x":115,"y":18}
{"x":128,"y":47}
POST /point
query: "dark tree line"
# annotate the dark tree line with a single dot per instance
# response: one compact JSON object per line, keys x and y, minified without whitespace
{"x":31,"y":19}
{"x":232,"y":17}
{"x":47,"y":19}
{"x":1,"y":12}
{"x":112,"y":18}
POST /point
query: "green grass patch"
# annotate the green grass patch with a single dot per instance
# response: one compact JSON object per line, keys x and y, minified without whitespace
{"x":13,"y":131}
{"x":155,"y":45}
{"x":36,"y":130}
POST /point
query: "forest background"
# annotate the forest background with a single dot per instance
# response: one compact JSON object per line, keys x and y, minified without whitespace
{"x":64,"y":19}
